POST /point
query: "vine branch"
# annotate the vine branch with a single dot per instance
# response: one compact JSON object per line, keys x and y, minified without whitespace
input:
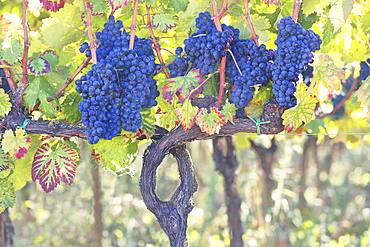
{"x":8,"y":76}
{"x":249,"y":20}
{"x":224,"y":9}
{"x":223,"y":83}
{"x":157,"y":47}
{"x":297,"y":6}
{"x":89,"y":31}
{"x":26,"y":45}
{"x":133,"y":25}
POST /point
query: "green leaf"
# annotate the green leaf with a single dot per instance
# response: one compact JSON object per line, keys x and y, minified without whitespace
{"x":366,"y":23}
{"x":11,"y":52}
{"x":304,"y":110}
{"x":308,"y":6}
{"x":7,"y":195}
{"x":211,"y":122}
{"x":327,"y":74}
{"x":16,"y":145}
{"x":151,"y":2}
{"x":51,"y":167}
{"x":149,"y":120}
{"x":4,"y":160}
{"x":39,"y":66}
{"x":52,"y":58}
{"x":164,"y":21}
{"x":229,"y":111}
{"x":183,"y":85}
{"x":39,"y":89}
{"x":363,"y":95}
{"x":99,"y":6}
{"x":168,"y":118}
{"x":260,"y":24}
{"x":187,"y":114}
{"x":69,"y":108}
{"x":116,"y":154}
{"x":5,"y":105}
{"x":179,"y":5}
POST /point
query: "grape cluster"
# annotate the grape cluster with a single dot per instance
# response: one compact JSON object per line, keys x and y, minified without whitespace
{"x":294,"y":51}
{"x":84,"y":48}
{"x":119,"y":85}
{"x":365,"y":69}
{"x":254,"y":63}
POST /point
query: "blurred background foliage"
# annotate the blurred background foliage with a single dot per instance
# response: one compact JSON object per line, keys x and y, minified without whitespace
{"x":319,"y":197}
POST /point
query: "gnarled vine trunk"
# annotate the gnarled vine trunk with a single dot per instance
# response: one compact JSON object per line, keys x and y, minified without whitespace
{"x":6,"y":230}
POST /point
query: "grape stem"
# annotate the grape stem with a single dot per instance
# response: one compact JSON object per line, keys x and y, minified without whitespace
{"x":133,"y":25}
{"x":297,"y":6}
{"x":223,"y":10}
{"x":157,"y":47}
{"x":203,"y":82}
{"x":223,"y":83}
{"x":249,"y":20}
{"x":8,"y":76}
{"x":341,"y":103}
{"x":89,"y":31}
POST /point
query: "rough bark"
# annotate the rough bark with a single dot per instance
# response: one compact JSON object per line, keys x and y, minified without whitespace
{"x":172,"y":215}
{"x":6,"y":230}
{"x":226,"y":163}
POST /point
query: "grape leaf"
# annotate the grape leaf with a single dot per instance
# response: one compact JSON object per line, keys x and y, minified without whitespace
{"x":327,"y":73}
{"x":16,"y":145}
{"x":5,"y":105}
{"x":339,"y":13}
{"x":366,"y":23}
{"x":164,"y":22}
{"x":168,"y":117}
{"x":52,"y":167}
{"x":184,"y":85}
{"x":304,"y":110}
{"x":149,"y":127}
{"x":260,"y":24}
{"x":4,"y":160}
{"x":363,"y":92}
{"x":308,"y":6}
{"x":99,"y":6}
{"x":212,"y":122}
{"x":116,"y":4}
{"x":39,"y":66}
{"x":254,"y":109}
{"x":150,"y":2}
{"x":229,"y":111}
{"x":69,"y":108}
{"x":12,"y":52}
{"x":187,"y":114}
{"x":7,"y":195}
{"x":114,"y":159}
{"x":51,"y":57}
{"x":179,"y":5}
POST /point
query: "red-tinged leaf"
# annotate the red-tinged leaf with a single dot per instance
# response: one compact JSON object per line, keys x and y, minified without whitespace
{"x":187,"y":114}
{"x":53,"y":5}
{"x":51,"y":57}
{"x":4,"y":160}
{"x":304,"y":110}
{"x":52,"y":167}
{"x":212,"y":122}
{"x":327,"y":74}
{"x":116,"y":4}
{"x":12,"y":144}
{"x":39,"y":66}
{"x":20,"y":153}
{"x":187,"y":86}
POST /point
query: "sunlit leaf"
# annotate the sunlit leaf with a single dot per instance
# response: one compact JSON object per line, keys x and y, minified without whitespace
{"x":187,"y":114}
{"x":339,"y":12}
{"x":211,"y":122}
{"x":327,"y":73}
{"x":99,"y":6}
{"x":51,"y":167}
{"x":17,"y":145}
{"x":187,"y":86}
{"x":148,"y":125}
{"x":304,"y":110}
{"x":109,"y":155}
{"x":5,"y":105}
{"x":179,"y":5}
{"x":168,"y":118}
{"x":11,"y":53}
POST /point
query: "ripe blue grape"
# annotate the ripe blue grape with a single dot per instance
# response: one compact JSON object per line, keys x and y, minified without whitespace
{"x":365,"y":69}
{"x":294,"y":51}
{"x":119,"y":85}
